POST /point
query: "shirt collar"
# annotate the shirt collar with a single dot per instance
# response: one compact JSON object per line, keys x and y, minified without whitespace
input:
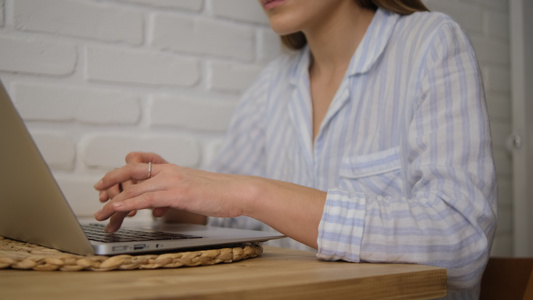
{"x":370,"y":49}
{"x":300,"y":69}
{"x":374,"y":42}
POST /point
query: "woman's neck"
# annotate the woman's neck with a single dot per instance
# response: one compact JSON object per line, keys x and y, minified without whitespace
{"x":332,"y":45}
{"x":334,"y":41}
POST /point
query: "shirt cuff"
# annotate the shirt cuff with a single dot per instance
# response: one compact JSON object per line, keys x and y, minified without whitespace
{"x":341,"y":228}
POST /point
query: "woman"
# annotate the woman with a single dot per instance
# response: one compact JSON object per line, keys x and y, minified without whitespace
{"x":370,"y":143}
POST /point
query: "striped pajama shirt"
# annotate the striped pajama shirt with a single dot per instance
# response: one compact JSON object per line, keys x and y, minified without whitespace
{"x":404,"y":151}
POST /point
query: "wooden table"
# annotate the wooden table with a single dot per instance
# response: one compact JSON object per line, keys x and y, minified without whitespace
{"x":277,"y":274}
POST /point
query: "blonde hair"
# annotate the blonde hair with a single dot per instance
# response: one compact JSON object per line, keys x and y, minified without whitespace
{"x":297,"y":40}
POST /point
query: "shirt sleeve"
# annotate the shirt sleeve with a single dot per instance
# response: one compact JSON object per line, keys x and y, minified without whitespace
{"x":447,"y":214}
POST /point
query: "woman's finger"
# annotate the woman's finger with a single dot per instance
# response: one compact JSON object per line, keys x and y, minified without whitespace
{"x":143,"y":201}
{"x":142,"y":196}
{"x":115,"y":221}
{"x":141,"y":190}
{"x":160,"y":211}
{"x":144,"y":157}
{"x":130,"y":172}
{"x":127,"y":184}
{"x":110,"y":193}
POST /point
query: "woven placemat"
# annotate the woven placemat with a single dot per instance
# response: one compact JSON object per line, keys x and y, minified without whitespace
{"x":25,"y":256}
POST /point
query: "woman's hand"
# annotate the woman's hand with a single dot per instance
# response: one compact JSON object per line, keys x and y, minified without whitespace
{"x":131,"y":158}
{"x":116,"y":189}
{"x":169,"y":186}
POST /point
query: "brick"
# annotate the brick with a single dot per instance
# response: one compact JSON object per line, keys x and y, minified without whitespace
{"x":108,"y":151}
{"x":203,"y":36}
{"x":269,"y":45}
{"x":58,"y":150}
{"x":240,"y":10}
{"x":232,"y":77}
{"x":41,"y":102}
{"x":80,"y":19}
{"x":497,"y":25}
{"x":469,"y":16}
{"x":37,"y":56}
{"x":141,"y":67}
{"x":191,"y":113}
{"x":191,"y":5}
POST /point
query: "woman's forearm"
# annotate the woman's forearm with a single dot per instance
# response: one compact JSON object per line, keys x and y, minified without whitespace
{"x":291,"y":209}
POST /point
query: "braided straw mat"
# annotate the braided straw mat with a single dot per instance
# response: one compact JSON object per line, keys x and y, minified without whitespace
{"x":25,"y":256}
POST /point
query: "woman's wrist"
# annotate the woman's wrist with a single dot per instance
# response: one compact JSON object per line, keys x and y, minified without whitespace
{"x":249,"y":191}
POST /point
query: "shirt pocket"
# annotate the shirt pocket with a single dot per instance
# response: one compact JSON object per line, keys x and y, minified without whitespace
{"x":377,"y":173}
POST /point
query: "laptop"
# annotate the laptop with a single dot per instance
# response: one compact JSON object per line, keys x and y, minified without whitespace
{"x":33,"y":209}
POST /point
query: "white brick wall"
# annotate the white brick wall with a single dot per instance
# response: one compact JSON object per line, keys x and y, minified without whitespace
{"x":184,"y":112}
{"x":95,"y":79}
{"x":66,"y":104}
{"x":133,"y":66}
{"x":191,"y":5}
{"x":196,"y":35}
{"x":99,"y":21}
{"x":37,"y":56}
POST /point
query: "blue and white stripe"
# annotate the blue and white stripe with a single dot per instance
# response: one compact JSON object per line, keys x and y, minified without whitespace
{"x":404,"y":151}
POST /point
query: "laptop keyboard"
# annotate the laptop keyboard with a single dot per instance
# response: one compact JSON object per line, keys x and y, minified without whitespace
{"x":95,"y":232}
